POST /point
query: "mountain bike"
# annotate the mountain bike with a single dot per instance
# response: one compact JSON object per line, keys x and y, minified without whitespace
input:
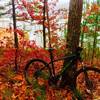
{"x":84,"y":81}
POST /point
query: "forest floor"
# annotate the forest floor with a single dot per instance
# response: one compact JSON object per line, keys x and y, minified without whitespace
{"x":13,"y":87}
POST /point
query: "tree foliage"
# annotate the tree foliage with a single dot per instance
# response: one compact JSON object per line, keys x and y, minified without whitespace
{"x":12,"y":84}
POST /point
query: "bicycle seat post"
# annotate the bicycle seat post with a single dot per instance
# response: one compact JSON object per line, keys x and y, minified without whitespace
{"x":51,"y":58}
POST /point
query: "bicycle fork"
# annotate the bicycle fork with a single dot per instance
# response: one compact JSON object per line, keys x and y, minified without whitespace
{"x":88,"y":81}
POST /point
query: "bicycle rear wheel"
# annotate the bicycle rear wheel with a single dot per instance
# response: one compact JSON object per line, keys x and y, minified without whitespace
{"x":36,"y":70}
{"x":88,"y":83}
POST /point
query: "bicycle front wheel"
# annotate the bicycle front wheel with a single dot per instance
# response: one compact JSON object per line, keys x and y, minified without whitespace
{"x":88,"y":83}
{"x":36,"y":71}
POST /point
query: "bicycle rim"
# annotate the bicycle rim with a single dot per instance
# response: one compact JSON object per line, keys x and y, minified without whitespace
{"x":36,"y":75}
{"x":36,"y":69}
{"x":88,"y":83}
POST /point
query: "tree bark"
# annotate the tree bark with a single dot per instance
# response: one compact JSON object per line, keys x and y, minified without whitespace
{"x":95,"y":40}
{"x":74,"y":21}
{"x":14,"y":25}
{"x":73,"y":35}
{"x":15,"y":34}
{"x":44,"y":28}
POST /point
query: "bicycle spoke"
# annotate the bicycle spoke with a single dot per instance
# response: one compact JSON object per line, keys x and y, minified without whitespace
{"x":89,"y":84}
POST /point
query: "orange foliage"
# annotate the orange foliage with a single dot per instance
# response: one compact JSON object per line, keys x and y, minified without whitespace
{"x":85,"y":29}
{"x":21,"y":90}
{"x":41,"y":81}
{"x":95,"y":8}
{"x":18,"y":77}
{"x":28,"y":50}
{"x":35,"y":17}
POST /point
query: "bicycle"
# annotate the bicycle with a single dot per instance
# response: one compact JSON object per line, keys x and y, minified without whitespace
{"x":81,"y":82}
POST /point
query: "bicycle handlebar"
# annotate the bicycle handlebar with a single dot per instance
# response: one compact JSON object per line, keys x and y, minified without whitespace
{"x":79,"y":49}
{"x":78,"y":52}
{"x":75,"y":54}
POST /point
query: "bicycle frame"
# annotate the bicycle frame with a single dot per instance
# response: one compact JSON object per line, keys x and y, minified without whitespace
{"x":72,"y":58}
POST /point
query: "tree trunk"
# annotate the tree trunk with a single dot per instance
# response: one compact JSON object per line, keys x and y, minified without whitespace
{"x":82,"y":33}
{"x":44,"y":28}
{"x":95,"y":40}
{"x":15,"y":34}
{"x":82,"y":39}
{"x":73,"y":35}
{"x":14,"y":25}
{"x":74,"y":21}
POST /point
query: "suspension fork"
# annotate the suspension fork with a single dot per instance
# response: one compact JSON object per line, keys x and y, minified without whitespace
{"x":87,"y":80}
{"x":85,"y":72}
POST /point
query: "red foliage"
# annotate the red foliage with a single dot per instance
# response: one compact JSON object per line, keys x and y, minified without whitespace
{"x":25,"y":52}
{"x":85,"y":29}
{"x":35,"y":17}
{"x":20,"y":32}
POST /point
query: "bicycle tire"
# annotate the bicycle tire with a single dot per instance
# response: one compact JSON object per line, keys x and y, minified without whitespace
{"x":39,"y":67}
{"x":88,"y":83}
